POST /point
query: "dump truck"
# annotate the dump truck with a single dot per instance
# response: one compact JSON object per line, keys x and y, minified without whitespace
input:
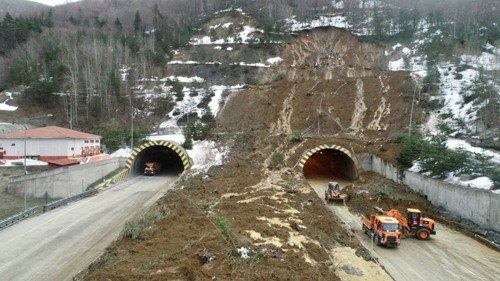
{"x":151,"y":168}
{"x":332,"y":193}
{"x":414,"y":223}
{"x":384,"y":230}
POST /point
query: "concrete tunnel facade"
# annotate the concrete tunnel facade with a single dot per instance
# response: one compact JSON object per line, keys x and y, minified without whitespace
{"x":171,"y":156}
{"x":331,"y":162}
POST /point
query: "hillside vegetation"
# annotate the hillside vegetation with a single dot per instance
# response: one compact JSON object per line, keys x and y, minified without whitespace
{"x":81,"y":50}
{"x":265,"y":81}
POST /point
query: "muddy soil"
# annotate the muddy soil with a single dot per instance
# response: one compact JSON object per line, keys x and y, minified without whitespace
{"x":274,"y":215}
{"x":335,"y":92}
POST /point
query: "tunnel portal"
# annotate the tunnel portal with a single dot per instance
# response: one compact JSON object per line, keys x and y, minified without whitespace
{"x":170,"y":156}
{"x":329,"y":162}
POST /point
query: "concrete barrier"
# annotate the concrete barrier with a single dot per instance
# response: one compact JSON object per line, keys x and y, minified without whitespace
{"x":477,"y":205}
{"x":63,"y":182}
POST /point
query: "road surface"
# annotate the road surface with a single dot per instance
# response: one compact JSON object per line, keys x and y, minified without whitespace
{"x":448,"y":255}
{"x":57,"y":245}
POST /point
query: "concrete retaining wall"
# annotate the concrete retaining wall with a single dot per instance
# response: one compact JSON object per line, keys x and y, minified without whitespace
{"x":63,"y":182}
{"x":477,"y":205}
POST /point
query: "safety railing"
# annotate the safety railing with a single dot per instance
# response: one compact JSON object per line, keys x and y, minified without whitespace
{"x":65,"y":201}
{"x":18,"y":217}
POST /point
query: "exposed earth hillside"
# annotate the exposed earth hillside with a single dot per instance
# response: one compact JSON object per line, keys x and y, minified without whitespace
{"x":335,"y":92}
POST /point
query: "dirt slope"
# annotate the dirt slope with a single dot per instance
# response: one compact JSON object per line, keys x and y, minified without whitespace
{"x":334,"y":91}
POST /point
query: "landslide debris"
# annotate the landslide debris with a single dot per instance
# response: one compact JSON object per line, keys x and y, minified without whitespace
{"x":255,"y":217}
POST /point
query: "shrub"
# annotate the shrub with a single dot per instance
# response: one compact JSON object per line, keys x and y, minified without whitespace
{"x":432,"y":154}
{"x":134,"y":228}
{"x":296,"y":136}
{"x":188,"y":139}
{"x":411,"y":149}
{"x":277,"y":160}
{"x":224,"y":229}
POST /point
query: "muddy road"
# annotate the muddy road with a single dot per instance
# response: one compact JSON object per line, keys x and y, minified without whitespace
{"x":448,"y":255}
{"x":58,"y":244}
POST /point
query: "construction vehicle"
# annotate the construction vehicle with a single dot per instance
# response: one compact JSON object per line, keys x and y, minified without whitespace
{"x":332,"y":193}
{"x":384,"y":230}
{"x":414,"y":223}
{"x":151,"y":168}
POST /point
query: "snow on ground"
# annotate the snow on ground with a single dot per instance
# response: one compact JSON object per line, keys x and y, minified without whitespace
{"x":205,"y":154}
{"x":189,"y":105}
{"x":453,"y":88}
{"x":122,"y":152}
{"x":4,"y":106}
{"x":20,"y":162}
{"x":245,"y":36}
{"x":481,"y":182}
{"x":178,"y":138}
{"x":457,"y":144}
{"x":274,"y":60}
{"x":333,"y":20}
{"x":487,"y":60}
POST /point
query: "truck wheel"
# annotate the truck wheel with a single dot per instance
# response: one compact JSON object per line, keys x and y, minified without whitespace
{"x":423,"y":234}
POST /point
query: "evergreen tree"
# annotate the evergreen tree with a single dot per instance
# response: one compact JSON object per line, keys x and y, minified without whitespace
{"x":137,"y":22}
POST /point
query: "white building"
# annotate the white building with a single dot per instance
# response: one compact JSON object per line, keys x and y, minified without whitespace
{"x":49,"y":144}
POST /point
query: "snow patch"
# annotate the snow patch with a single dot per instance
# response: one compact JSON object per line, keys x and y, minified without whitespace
{"x":4,"y":106}
{"x":206,"y":154}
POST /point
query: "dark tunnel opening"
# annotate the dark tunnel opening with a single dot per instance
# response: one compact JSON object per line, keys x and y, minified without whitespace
{"x":330,"y":164}
{"x":169,"y":161}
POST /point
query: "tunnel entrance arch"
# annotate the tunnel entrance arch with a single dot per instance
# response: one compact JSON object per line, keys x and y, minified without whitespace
{"x":171,"y":156}
{"x":329,"y":162}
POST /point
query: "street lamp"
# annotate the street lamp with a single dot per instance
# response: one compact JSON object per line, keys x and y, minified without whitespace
{"x":25,"y":155}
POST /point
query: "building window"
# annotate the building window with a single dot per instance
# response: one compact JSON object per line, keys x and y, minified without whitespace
{"x":92,"y":141}
{"x":97,"y":141}
{"x":13,"y":144}
{"x":86,"y":141}
{"x":72,"y":149}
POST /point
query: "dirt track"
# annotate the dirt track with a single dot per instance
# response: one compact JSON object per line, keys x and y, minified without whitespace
{"x":448,"y":255}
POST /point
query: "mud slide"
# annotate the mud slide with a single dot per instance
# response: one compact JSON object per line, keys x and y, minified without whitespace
{"x":359,"y":111}
{"x":449,"y":255}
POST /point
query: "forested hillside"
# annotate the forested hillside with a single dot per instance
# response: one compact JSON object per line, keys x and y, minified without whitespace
{"x":82,"y":50}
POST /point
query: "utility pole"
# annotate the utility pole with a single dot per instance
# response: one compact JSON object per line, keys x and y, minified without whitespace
{"x":26,"y":155}
{"x":131,"y":123}
{"x":411,"y":111}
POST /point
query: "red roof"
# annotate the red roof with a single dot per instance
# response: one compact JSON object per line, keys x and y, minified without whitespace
{"x":50,"y":132}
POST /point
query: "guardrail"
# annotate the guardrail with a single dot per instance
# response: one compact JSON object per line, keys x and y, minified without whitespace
{"x":487,"y":242}
{"x":65,"y":201}
{"x":17,"y":218}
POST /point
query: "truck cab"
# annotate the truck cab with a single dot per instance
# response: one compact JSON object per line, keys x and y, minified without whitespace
{"x":384,"y":230}
{"x":151,"y":168}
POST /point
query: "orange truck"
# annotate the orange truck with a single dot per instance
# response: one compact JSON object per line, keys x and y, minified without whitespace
{"x":413,"y":223}
{"x":151,"y":168}
{"x":384,"y":230}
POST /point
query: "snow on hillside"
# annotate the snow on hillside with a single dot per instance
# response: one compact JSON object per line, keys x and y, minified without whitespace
{"x":455,"y":81}
{"x":333,"y":20}
{"x":4,"y":106}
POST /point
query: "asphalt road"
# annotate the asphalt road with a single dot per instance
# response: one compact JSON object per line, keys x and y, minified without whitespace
{"x":57,"y":245}
{"x":448,"y":255}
